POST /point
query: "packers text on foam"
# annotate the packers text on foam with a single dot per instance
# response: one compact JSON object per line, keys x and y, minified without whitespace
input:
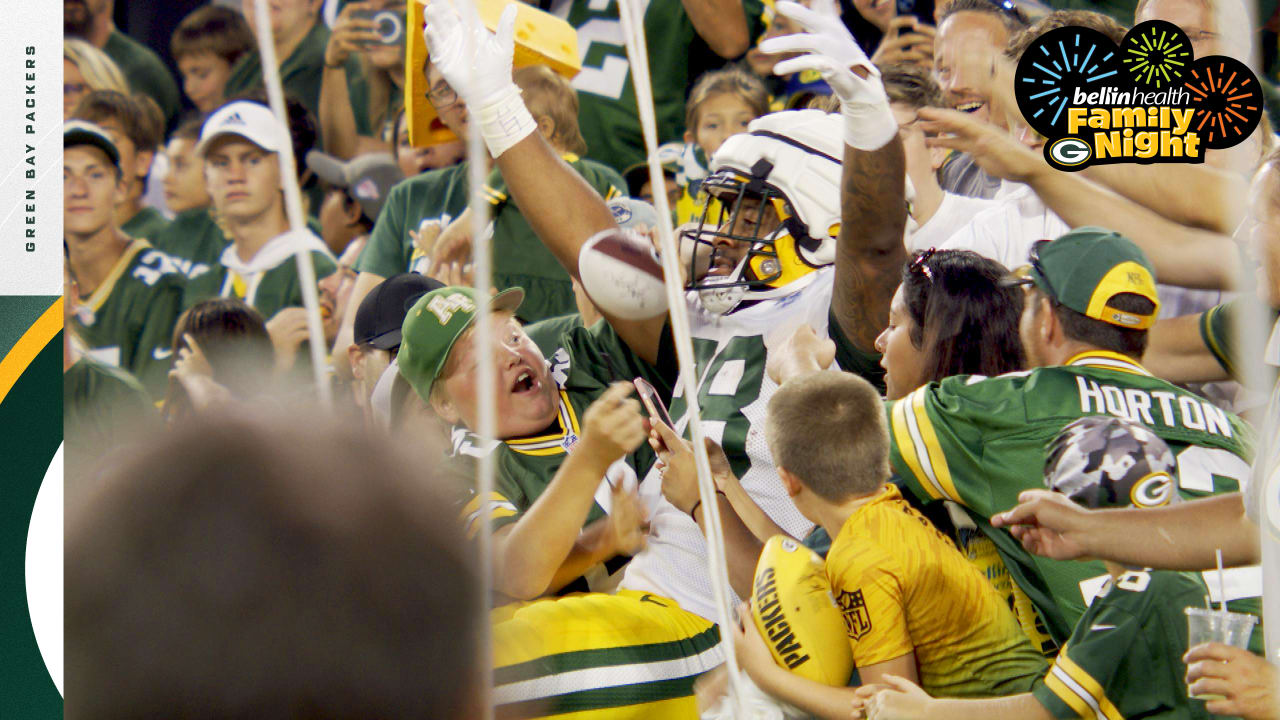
{"x":776,"y":627}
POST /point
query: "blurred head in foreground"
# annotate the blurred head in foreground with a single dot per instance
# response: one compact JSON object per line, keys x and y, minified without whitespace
{"x":258,"y":566}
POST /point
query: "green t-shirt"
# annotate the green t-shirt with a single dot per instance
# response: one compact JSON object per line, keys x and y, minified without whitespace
{"x":519,"y":257}
{"x":147,"y":224}
{"x":1124,"y":658}
{"x":677,"y":57}
{"x":301,"y":73}
{"x":435,"y":195}
{"x":358,"y":90}
{"x":1218,"y":330}
{"x":194,"y":241}
{"x":583,"y":365}
{"x":101,"y":405}
{"x":268,"y":290}
{"x":128,"y":320}
{"x":145,"y":72}
{"x":979,"y":442}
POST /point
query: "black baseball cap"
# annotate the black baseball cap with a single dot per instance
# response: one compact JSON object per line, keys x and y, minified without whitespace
{"x":381,"y":313}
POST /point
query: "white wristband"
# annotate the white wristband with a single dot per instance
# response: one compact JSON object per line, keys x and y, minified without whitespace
{"x":868,"y":126}
{"x":505,"y":121}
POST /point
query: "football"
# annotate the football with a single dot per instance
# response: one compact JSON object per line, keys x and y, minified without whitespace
{"x":622,"y":275}
{"x":795,"y":612}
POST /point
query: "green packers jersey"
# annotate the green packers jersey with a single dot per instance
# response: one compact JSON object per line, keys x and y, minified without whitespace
{"x":585,"y":362}
{"x":1124,"y":658}
{"x":194,"y":241}
{"x":519,"y":257}
{"x":101,"y":405}
{"x":147,"y":224}
{"x":268,"y":291}
{"x":979,"y":442}
{"x":128,"y":320}
{"x":606,"y":97}
{"x":1217,"y":329}
{"x":439,"y":195}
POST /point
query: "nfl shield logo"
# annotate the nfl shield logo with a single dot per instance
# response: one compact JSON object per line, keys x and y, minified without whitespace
{"x":569,"y":441}
{"x":856,"y":618}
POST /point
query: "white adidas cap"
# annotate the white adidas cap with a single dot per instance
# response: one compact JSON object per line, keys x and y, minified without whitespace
{"x":250,"y":120}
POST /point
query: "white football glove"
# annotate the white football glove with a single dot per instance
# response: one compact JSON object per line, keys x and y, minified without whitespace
{"x":832,"y":51}
{"x":477,"y":65}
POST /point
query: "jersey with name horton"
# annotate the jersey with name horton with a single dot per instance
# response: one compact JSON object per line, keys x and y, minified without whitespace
{"x":733,"y":393}
{"x":981,"y":441}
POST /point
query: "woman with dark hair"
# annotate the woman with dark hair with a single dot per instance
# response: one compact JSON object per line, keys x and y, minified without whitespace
{"x":221,"y":351}
{"x":950,"y":316}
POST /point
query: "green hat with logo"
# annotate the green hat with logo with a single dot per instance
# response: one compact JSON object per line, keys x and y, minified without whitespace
{"x":1086,"y":268}
{"x":434,"y":324}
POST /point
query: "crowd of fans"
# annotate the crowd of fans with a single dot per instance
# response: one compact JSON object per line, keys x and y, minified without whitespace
{"x":903,"y":319}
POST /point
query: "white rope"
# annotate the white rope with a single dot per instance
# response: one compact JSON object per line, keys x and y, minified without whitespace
{"x":631,"y":13}
{"x":481,"y":263}
{"x":293,"y":202}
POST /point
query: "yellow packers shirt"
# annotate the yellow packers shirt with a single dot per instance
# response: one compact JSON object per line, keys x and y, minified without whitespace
{"x":903,"y":587}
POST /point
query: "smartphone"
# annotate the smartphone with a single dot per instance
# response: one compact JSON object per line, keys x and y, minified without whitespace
{"x":653,"y":403}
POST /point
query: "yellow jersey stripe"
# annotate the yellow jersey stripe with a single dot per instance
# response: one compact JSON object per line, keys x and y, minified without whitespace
{"x":1109,"y":360}
{"x":906,"y":446}
{"x":108,"y":284}
{"x":1067,"y":695}
{"x":1090,"y":685}
{"x":937,"y":460}
{"x":550,"y":444}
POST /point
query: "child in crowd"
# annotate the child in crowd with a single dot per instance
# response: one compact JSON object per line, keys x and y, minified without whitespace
{"x":913,"y":605}
{"x":417,"y":160}
{"x":720,"y":104}
{"x":206,"y":45}
{"x":184,"y":188}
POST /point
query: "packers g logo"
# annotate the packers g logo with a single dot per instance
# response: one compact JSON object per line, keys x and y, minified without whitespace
{"x":1069,"y":151}
{"x":1153,"y":490}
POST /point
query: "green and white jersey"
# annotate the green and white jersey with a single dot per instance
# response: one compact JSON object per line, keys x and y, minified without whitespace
{"x":1124,"y":658}
{"x":519,"y":257}
{"x":583,"y":365}
{"x":979,"y":442}
{"x":101,"y":406}
{"x":269,"y":282}
{"x":128,"y":320}
{"x":733,"y":393}
{"x":439,"y":195}
{"x":193,"y":241}
{"x":606,"y":97}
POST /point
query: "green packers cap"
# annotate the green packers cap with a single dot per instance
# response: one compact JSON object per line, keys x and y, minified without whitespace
{"x":1089,"y":266}
{"x":434,"y":324}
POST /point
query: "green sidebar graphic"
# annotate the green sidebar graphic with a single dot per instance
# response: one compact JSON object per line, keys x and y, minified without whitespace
{"x":30,"y":433}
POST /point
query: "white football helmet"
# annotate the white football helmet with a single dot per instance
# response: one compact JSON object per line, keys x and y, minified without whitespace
{"x":773,"y":209}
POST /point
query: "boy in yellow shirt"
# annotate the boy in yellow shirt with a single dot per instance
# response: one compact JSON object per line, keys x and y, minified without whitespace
{"x":913,"y":606}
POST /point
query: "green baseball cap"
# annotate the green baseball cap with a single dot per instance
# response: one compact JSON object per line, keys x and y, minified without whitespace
{"x":1089,"y":266}
{"x":433,"y":325}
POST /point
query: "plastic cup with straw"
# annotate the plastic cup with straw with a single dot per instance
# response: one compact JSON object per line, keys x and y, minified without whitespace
{"x":1209,"y":625}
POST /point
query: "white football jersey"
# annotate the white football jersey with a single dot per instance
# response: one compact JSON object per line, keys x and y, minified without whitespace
{"x":733,"y":394}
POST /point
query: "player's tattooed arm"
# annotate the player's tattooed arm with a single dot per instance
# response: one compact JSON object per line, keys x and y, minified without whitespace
{"x":870,"y":251}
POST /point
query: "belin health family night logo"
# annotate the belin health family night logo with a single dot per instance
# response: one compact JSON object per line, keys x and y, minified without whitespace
{"x":1146,"y":101}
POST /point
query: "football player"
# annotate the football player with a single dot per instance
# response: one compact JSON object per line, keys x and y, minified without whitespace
{"x":130,"y":293}
{"x":782,"y":255}
{"x":1124,"y":657}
